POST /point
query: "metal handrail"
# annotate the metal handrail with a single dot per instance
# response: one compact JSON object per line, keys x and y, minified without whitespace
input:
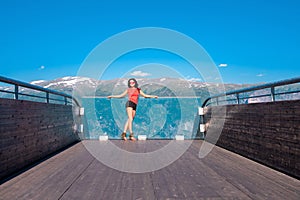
{"x":16,"y":92}
{"x":258,"y":87}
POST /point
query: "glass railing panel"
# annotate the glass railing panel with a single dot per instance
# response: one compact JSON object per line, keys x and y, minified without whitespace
{"x":161,"y":118}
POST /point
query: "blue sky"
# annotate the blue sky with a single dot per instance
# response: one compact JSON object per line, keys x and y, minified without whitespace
{"x":251,"y":41}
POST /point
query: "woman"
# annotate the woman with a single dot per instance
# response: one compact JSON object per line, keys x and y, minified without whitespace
{"x":133,"y":92}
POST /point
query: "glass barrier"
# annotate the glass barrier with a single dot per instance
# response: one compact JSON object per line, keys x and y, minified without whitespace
{"x":161,"y":118}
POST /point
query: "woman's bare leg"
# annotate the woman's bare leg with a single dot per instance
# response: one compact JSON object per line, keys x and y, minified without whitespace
{"x":131,"y":133}
{"x":128,"y":125}
{"x":125,"y":127}
{"x":123,"y":136}
{"x":130,"y":118}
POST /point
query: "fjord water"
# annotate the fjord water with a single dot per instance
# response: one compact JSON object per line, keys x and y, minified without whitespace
{"x":161,"y":118}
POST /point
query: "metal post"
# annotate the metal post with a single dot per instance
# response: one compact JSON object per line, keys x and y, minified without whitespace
{"x":238,"y":98}
{"x":47,"y":97}
{"x":16,"y":92}
{"x":202,"y":122}
{"x":272,"y":93}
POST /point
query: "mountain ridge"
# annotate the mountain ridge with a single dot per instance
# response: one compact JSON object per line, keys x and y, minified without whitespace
{"x":162,"y":87}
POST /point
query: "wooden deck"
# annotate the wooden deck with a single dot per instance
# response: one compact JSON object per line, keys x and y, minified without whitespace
{"x":75,"y":174}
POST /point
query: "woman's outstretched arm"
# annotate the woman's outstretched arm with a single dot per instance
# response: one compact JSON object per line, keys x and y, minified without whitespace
{"x":118,"y":96}
{"x":147,"y":96}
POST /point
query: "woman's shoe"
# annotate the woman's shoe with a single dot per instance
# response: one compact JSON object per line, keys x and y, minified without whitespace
{"x":131,"y":137}
{"x":123,"y":136}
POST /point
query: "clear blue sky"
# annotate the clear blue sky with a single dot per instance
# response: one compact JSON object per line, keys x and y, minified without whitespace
{"x":257,"y":40}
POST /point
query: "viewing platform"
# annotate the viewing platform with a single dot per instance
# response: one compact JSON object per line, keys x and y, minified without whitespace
{"x":44,"y":154}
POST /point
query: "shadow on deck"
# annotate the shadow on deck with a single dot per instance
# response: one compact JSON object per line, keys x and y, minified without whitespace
{"x":76,"y":174}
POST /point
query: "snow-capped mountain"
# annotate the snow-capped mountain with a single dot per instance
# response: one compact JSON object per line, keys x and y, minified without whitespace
{"x":66,"y":84}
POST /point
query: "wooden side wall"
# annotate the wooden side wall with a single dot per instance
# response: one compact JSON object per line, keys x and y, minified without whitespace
{"x":265,"y":132}
{"x":29,"y":131}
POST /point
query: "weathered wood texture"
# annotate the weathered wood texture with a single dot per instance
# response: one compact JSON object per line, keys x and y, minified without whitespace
{"x":30,"y":131}
{"x":266,"y":132}
{"x":75,"y":174}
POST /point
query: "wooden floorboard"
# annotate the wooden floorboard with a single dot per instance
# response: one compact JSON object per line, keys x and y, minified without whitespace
{"x":76,"y":174}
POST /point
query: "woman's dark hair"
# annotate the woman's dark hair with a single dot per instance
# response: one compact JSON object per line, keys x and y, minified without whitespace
{"x":136,"y":83}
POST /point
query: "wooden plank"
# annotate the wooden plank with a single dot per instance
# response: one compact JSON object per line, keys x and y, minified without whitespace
{"x":255,"y":180}
{"x":75,"y":174}
{"x":49,"y":179}
{"x":190,"y":178}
